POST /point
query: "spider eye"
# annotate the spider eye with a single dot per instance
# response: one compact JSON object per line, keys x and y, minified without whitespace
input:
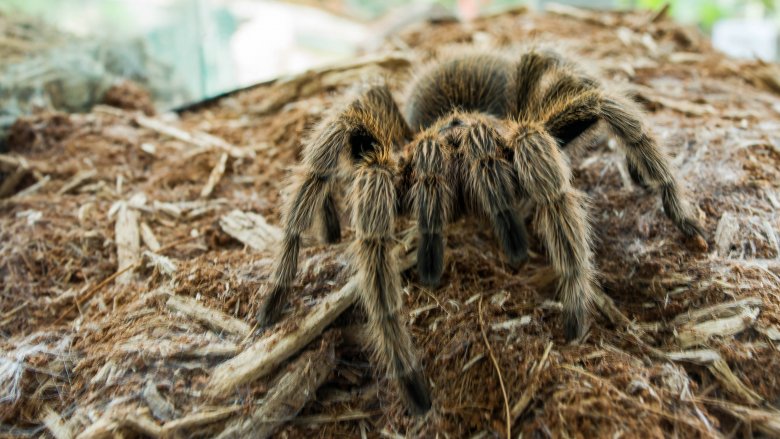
{"x":361,"y":142}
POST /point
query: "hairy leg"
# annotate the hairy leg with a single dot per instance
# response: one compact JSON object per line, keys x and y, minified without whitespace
{"x":529,"y":72}
{"x":309,"y":197}
{"x":650,"y":162}
{"x":353,"y":130}
{"x":373,"y":201}
{"x":431,"y":197}
{"x":331,"y":226}
{"x":560,"y":218}
{"x":490,"y":184}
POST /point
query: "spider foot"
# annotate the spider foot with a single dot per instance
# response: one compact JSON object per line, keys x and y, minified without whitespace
{"x":514,"y":239}
{"x":696,"y":239}
{"x":271,"y":309}
{"x":430,"y":259}
{"x":575,"y":325}
{"x":415,"y":393}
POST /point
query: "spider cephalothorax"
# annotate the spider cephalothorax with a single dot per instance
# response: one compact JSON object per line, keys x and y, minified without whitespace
{"x":482,"y":133}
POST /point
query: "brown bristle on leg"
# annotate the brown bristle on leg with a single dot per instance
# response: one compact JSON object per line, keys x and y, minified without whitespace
{"x":373,"y":199}
{"x":651,"y":163}
{"x":489,"y":183}
{"x":560,"y":218}
{"x":431,"y":200}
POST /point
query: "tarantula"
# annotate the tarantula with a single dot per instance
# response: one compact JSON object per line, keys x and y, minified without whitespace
{"x":482,"y":133}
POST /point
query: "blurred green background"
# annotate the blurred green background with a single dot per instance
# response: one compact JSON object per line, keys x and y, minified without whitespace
{"x":188,"y":50}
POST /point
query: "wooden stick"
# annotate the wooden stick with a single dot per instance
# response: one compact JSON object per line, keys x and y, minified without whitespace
{"x":201,"y":417}
{"x":525,"y":399}
{"x":160,"y":407}
{"x":9,"y":184}
{"x":147,"y":236}
{"x":269,"y":352}
{"x":498,"y":370}
{"x":765,"y":420}
{"x":288,"y":396}
{"x":117,"y":419}
{"x":128,"y":241}
{"x":251,"y":229}
{"x":197,"y":138}
{"x":584,"y":15}
{"x":31,"y":190}
{"x":273,"y":348}
{"x":720,"y":370}
{"x":215,"y":176}
{"x":211,"y":317}
{"x":76,"y":181}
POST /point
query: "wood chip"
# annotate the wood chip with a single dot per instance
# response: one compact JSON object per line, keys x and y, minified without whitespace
{"x":161,"y":408}
{"x":211,"y":317}
{"x":251,"y":229}
{"x":10,"y":182}
{"x":198,"y":139}
{"x":199,"y":418}
{"x":163,"y":264}
{"x":694,"y":334}
{"x":215,"y":176}
{"x":521,"y":405}
{"x":54,"y":423}
{"x":119,"y":418}
{"x":721,"y":310}
{"x":128,"y":243}
{"x":265,"y":355}
{"x":76,"y":181}
{"x":273,"y":348}
{"x":720,"y":370}
{"x":766,"y":420}
{"x":584,"y":15}
{"x":147,"y":236}
{"x":511,"y":324}
{"x":726,"y":233}
{"x":31,"y":189}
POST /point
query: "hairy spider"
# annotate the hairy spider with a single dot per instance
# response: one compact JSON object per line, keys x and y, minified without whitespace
{"x":484,"y":133}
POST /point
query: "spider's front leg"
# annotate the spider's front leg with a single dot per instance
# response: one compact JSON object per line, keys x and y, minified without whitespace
{"x":561,"y":219}
{"x":490,"y":184}
{"x":373,"y":201}
{"x":372,"y":117}
{"x":431,"y":199}
{"x":312,"y":195}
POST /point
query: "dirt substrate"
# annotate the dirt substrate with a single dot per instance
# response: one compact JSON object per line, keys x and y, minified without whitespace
{"x":685,"y":343}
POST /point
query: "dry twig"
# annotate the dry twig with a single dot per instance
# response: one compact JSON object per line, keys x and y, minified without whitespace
{"x":498,"y":370}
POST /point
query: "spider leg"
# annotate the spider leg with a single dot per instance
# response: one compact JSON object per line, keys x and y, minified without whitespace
{"x":636,"y":176}
{"x":373,"y":199}
{"x":311,"y":195}
{"x":350,"y":131}
{"x":650,"y":162}
{"x":431,"y":199}
{"x":490,"y":183}
{"x":331,"y":226}
{"x":560,"y":218}
{"x":648,"y":165}
{"x":530,"y":70}
{"x":568,"y":116}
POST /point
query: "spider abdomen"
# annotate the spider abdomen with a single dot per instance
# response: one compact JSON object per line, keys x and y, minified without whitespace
{"x":476,"y":83}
